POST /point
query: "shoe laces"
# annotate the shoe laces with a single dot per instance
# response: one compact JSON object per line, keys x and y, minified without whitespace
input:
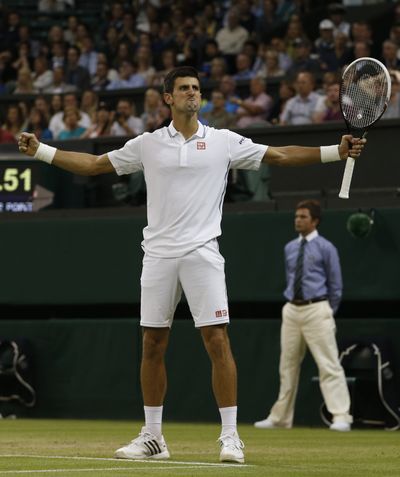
{"x":143,"y":436}
{"x":231,"y":440}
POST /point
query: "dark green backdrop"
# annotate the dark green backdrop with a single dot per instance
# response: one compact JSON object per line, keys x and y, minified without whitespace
{"x":94,"y":260}
{"x":90,"y":368}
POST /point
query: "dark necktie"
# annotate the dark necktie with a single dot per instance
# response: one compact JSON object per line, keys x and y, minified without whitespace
{"x":298,"y":274}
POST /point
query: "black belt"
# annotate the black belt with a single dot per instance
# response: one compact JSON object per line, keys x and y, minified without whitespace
{"x":308,"y":302}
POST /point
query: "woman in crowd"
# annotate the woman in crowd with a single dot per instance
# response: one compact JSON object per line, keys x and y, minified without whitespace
{"x":270,"y":67}
{"x":144,"y":63}
{"x":24,"y":84}
{"x":38,"y":125}
{"x":286,"y":91}
{"x":89,"y":104}
{"x":72,"y":129}
{"x":15,"y":122}
{"x":102,"y":123}
{"x":152,"y":105}
{"x":168,"y":63}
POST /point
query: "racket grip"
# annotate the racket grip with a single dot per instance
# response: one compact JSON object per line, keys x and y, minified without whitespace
{"x":346,"y":181}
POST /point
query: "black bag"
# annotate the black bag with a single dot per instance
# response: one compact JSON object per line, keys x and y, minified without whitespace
{"x":371,"y":379}
{"x":16,"y":372}
{"x":375,"y":395}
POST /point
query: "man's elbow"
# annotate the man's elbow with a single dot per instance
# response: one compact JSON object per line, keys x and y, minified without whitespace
{"x":275,"y":159}
{"x":98,"y":166}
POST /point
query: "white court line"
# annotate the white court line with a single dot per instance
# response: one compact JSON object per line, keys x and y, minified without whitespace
{"x":42,"y":471}
{"x":144,"y":461}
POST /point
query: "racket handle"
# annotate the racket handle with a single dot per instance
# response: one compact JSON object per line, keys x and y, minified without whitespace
{"x":346,"y":181}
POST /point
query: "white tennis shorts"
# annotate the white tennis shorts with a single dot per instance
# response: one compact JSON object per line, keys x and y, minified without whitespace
{"x":199,"y":274}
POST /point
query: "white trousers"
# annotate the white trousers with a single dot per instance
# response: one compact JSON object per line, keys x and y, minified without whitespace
{"x":313,"y":326}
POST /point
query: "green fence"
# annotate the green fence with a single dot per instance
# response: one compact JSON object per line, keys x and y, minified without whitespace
{"x":81,"y":260}
{"x":90,"y":368}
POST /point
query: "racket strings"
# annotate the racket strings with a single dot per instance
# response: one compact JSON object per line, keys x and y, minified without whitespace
{"x":364,"y":92}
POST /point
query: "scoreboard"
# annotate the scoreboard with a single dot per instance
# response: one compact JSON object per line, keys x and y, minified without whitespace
{"x":17,"y":185}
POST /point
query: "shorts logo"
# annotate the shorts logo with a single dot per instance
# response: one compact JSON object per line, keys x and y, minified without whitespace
{"x":242,"y":140}
{"x":201,"y":145}
{"x":221,"y":313}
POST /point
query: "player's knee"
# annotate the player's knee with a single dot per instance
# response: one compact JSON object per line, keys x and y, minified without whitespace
{"x":154,"y":343}
{"x":217,"y":344}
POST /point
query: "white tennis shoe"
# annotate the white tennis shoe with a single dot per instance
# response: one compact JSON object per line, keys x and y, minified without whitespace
{"x":231,"y":448}
{"x":340,"y":426}
{"x":269,"y":424}
{"x":265,"y":424}
{"x":145,"y":446}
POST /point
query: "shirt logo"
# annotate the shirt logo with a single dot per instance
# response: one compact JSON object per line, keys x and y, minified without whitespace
{"x":221,"y":313}
{"x":201,"y":145}
{"x":242,"y":140}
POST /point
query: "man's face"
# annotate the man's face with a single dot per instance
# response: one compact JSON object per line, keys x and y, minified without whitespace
{"x":304,"y":224}
{"x":332,"y":93}
{"x":70,"y":100}
{"x":102,"y":70}
{"x":301,"y":52}
{"x":389,"y":51}
{"x":304,"y":84}
{"x":72,"y":56}
{"x":256,"y":86}
{"x":218,"y":100}
{"x":186,"y":95}
{"x":227,"y":85}
{"x":125,"y":70}
{"x":124,"y":109}
{"x":326,"y":34}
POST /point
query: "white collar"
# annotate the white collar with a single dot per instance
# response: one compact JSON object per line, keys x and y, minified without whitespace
{"x":201,"y":130}
{"x":309,"y":237}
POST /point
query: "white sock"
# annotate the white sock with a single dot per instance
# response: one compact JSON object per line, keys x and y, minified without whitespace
{"x":228,"y":419}
{"x":153,"y":419}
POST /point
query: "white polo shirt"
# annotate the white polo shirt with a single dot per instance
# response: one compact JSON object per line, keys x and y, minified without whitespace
{"x":186,"y":182}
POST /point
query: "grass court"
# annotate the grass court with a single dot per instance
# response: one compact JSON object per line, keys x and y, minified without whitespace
{"x":85,"y":448}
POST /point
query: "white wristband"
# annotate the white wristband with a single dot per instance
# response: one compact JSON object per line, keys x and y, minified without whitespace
{"x":330,"y":153}
{"x":45,"y":153}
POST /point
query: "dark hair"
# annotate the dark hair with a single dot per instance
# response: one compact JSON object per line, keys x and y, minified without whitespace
{"x":180,"y":72}
{"x":75,"y":48}
{"x":20,"y":114}
{"x":42,"y":122}
{"x":314,"y":208}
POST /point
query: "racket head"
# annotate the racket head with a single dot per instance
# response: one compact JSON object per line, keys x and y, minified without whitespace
{"x":365,"y":91}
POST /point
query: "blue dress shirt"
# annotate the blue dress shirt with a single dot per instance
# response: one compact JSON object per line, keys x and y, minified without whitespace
{"x":321,"y":270}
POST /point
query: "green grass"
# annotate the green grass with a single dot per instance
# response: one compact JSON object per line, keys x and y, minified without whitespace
{"x":299,"y":452}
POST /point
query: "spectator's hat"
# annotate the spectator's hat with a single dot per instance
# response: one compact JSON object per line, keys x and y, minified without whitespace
{"x":326,"y":25}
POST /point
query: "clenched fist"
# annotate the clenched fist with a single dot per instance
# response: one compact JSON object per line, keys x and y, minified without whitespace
{"x":28,"y":144}
{"x":351,"y":146}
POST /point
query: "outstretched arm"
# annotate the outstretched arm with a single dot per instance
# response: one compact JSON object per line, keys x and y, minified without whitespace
{"x":80,"y":163}
{"x":302,"y":156}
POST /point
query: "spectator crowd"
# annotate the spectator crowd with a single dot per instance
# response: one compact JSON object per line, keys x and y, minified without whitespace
{"x":62,"y":81}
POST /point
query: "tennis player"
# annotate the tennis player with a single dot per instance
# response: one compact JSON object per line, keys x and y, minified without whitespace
{"x":186,"y":167}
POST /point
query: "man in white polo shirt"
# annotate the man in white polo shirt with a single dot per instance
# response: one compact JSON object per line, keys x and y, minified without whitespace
{"x":186,"y":167}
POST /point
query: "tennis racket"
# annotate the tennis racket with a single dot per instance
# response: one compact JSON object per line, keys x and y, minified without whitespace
{"x":364,"y":95}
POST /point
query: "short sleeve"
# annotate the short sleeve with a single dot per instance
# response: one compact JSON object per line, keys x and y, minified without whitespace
{"x":128,"y":159}
{"x":244,"y":153}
